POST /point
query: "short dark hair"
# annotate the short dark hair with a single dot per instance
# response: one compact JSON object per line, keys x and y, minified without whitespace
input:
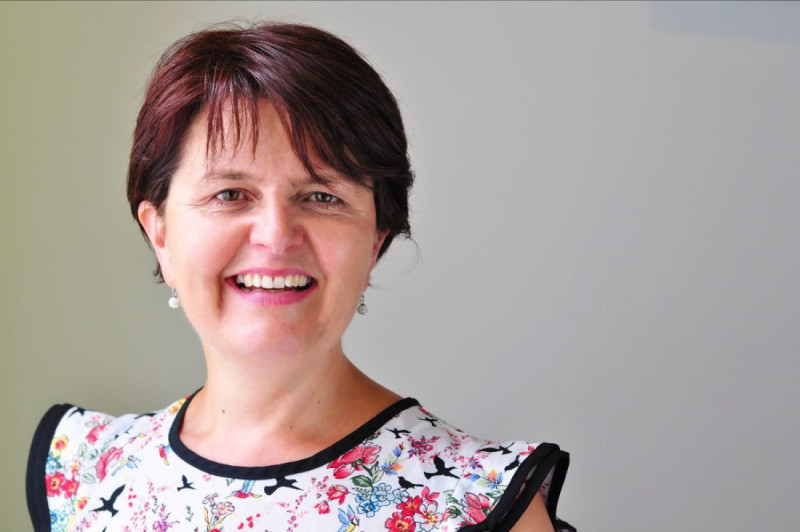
{"x":332,"y":103}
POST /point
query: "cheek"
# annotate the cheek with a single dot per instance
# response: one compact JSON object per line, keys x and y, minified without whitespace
{"x":201,"y":249}
{"x":348,"y":256}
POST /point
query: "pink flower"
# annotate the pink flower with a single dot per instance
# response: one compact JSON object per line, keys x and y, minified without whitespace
{"x":92,"y":436}
{"x":113,"y":453}
{"x":322,"y":507}
{"x":427,"y":495}
{"x":354,"y":460}
{"x":475,"y":507}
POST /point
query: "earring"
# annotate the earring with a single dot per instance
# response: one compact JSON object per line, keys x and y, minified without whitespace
{"x":362,"y":307}
{"x":174,"y":301}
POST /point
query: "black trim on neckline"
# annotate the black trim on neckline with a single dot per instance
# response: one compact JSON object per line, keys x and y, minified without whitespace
{"x":288,"y":468}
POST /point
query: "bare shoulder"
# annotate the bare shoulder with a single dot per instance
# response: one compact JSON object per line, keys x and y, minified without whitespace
{"x":535,"y":518}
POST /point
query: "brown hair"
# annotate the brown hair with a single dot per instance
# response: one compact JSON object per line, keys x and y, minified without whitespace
{"x":331,"y":101}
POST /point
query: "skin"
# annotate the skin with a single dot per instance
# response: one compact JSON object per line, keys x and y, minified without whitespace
{"x":276,"y":373}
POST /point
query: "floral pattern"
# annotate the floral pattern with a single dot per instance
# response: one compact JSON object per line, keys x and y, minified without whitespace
{"x":415,"y":473}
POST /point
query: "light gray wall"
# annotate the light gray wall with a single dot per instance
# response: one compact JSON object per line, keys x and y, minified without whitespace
{"x":606,"y":213}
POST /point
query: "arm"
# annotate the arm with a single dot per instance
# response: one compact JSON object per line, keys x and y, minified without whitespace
{"x":535,"y":518}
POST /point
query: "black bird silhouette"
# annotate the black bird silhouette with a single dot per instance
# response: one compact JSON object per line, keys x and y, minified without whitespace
{"x":281,"y":482}
{"x":186,"y":484}
{"x":440,"y":469}
{"x":505,"y":450}
{"x":406,"y":485}
{"x":78,"y":410}
{"x":149,"y":414}
{"x":513,"y":464}
{"x":398,"y":432}
{"x":108,"y":504}
{"x":429,"y":419}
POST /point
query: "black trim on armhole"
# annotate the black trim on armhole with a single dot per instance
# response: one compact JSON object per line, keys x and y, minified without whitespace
{"x":521,"y":490}
{"x":35,"y":489}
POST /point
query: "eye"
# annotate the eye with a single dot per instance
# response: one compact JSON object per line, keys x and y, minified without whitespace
{"x":230,"y":195}
{"x":323,"y":198}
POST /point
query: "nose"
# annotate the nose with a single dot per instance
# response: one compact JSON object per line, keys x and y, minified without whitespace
{"x":277,"y":226}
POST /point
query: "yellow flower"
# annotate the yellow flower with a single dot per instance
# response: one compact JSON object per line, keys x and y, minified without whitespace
{"x":59,"y":444}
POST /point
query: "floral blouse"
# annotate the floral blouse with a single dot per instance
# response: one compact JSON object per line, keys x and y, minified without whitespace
{"x":404,"y":470}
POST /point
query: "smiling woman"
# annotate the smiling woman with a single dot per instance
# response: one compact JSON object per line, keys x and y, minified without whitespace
{"x":269,"y":172}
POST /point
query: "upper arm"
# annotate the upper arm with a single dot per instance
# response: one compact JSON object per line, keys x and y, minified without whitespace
{"x":535,"y":518}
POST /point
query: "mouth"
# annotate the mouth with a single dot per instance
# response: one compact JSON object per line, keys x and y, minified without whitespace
{"x":254,"y":282}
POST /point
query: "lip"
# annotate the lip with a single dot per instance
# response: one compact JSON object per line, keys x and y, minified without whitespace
{"x":287,"y":297}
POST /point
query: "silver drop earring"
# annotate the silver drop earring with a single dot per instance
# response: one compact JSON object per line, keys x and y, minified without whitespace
{"x":174,"y":301}
{"x":362,"y":307}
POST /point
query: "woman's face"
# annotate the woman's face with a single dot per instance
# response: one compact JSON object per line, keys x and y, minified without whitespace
{"x":247,"y":219}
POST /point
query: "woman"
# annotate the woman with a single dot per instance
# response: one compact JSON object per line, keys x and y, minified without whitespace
{"x":269,"y":172}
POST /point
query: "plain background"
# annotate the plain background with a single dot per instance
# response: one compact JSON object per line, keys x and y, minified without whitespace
{"x":606,"y":238}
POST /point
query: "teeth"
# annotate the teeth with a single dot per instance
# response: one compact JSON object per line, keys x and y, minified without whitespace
{"x":251,"y":280}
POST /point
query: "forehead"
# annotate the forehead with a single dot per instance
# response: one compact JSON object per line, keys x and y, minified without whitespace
{"x":241,"y":149}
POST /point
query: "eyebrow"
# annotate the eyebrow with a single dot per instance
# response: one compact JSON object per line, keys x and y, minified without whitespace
{"x":307,"y":179}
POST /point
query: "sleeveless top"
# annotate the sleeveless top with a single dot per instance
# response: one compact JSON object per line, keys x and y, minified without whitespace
{"x":404,"y":470}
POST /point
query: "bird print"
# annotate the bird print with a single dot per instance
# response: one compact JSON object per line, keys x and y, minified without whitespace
{"x":406,"y":485}
{"x":245,"y":492}
{"x":186,"y":484}
{"x":398,"y":432}
{"x":348,"y":519}
{"x":108,"y":504}
{"x":163,"y":450}
{"x":129,"y":462}
{"x":281,"y":482}
{"x":440,"y":469}
{"x":513,"y":465}
{"x":78,"y":410}
{"x":429,"y":419}
{"x":499,"y":448}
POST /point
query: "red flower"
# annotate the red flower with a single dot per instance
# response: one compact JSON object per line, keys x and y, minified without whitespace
{"x":54,"y":483}
{"x":354,"y":460}
{"x":337,"y":493}
{"x":475,"y":506}
{"x":113,"y":453}
{"x":70,"y":487}
{"x":400,"y":523}
{"x":322,"y":507}
{"x":410,"y":506}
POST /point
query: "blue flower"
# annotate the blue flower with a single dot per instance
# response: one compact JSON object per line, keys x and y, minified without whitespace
{"x":399,"y":495}
{"x":50,"y":465}
{"x":382,"y":496}
{"x":367,"y":506}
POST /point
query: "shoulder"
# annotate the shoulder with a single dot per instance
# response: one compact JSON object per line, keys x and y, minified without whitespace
{"x":462,"y":481}
{"x":74,"y":449}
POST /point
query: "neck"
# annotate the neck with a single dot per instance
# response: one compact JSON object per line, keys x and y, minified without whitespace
{"x":298,"y":405}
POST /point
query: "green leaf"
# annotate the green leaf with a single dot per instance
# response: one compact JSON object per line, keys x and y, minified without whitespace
{"x":362,"y":481}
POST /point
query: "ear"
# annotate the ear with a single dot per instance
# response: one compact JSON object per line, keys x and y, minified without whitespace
{"x":156,"y":230}
{"x":380,"y":236}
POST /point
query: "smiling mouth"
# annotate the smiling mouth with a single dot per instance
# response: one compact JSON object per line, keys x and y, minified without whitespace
{"x":253,"y":282}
